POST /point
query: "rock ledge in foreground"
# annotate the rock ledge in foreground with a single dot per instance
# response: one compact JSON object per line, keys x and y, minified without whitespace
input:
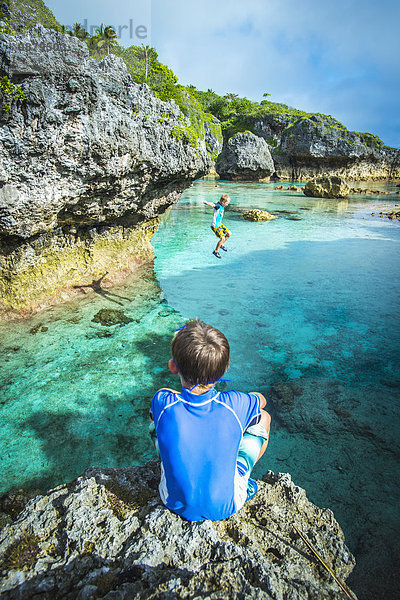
{"x":107,"y":535}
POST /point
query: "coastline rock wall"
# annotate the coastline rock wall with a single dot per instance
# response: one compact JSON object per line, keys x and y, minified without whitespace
{"x":107,"y":535}
{"x":90,"y":158}
{"x":307,"y":147}
{"x":315,"y":147}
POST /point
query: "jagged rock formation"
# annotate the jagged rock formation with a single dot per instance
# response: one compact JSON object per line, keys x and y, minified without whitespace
{"x":245,"y":156}
{"x":326,"y":187}
{"x":107,"y":535}
{"x":392,"y":215}
{"x":26,"y":13}
{"x":319,"y":145}
{"x":88,"y":163}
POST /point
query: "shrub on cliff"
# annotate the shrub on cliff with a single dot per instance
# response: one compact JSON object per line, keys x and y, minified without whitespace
{"x":9,"y":93}
{"x":24,"y":14}
{"x":238,"y":115}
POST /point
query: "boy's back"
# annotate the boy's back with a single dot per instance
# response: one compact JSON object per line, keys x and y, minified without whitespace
{"x":206,"y":453}
{"x":199,"y":438}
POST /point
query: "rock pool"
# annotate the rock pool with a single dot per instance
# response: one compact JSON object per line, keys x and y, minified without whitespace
{"x":309,"y":303}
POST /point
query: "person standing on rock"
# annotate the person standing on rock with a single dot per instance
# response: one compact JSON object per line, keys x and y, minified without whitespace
{"x":220,"y":230}
{"x":208,"y":441}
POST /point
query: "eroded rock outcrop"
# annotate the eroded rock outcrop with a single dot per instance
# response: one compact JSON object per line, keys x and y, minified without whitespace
{"x":327,"y":187}
{"x":245,"y":156}
{"x":88,"y":163}
{"x":107,"y":535}
{"x":318,"y":146}
{"x":303,"y":147}
{"x":258,"y":215}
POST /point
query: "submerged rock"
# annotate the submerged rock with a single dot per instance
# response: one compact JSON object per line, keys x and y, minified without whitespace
{"x":107,"y":535}
{"x":258,"y":215}
{"x":111,"y":316}
{"x":392,"y":215}
{"x":245,"y":156}
{"x":327,"y":187}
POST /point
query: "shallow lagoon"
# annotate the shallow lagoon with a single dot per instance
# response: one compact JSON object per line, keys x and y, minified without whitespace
{"x":308,"y":302}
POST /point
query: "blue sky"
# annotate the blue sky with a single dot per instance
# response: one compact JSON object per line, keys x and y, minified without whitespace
{"x":339,"y":57}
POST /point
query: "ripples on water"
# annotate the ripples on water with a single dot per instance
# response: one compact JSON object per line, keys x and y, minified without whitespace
{"x":309,"y":304}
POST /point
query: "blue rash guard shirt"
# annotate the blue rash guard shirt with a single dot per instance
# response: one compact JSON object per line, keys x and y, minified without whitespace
{"x":198,"y":438}
{"x":218,"y":214}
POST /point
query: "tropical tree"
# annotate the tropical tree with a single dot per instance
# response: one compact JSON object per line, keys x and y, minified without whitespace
{"x":64,"y":29}
{"x":231,"y":97}
{"x":148,"y":54}
{"x":79,"y":32}
{"x":105,"y":38}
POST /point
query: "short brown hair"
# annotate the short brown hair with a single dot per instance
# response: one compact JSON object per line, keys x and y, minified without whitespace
{"x":201,"y":353}
{"x":224,"y":197}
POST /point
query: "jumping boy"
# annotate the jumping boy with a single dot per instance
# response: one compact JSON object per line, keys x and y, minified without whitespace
{"x":220,"y":230}
{"x":208,"y":441}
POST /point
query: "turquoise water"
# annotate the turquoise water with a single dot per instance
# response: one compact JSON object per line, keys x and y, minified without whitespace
{"x":75,"y":392}
{"x":309,"y":304}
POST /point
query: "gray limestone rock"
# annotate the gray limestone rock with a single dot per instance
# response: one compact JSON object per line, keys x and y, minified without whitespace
{"x":327,"y":187}
{"x":245,"y":156}
{"x":307,"y":146}
{"x":107,"y":535}
{"x":322,"y":146}
{"x":258,"y":215}
{"x":89,"y":151}
{"x":88,"y":146}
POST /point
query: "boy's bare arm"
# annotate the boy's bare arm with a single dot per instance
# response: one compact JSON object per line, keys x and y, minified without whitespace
{"x":209,"y":203}
{"x":263,"y":401}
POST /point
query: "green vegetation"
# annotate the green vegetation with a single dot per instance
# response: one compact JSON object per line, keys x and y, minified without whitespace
{"x":144,"y":67}
{"x":9,"y":93}
{"x":5,"y":27}
{"x":26,"y":13}
{"x":370,"y":140}
{"x":22,"y":554}
{"x":89,"y":547}
{"x":236,"y":114}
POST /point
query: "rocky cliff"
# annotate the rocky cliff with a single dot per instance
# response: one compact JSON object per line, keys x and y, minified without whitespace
{"x":318,"y":146}
{"x":107,"y":535}
{"x":89,"y":160}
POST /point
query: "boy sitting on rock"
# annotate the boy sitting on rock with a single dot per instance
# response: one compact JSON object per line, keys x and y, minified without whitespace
{"x":208,"y":441}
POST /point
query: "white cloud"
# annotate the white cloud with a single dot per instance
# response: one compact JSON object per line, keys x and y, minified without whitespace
{"x":334,"y":56}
